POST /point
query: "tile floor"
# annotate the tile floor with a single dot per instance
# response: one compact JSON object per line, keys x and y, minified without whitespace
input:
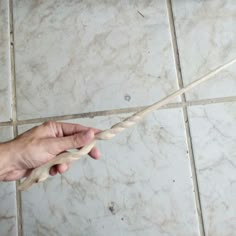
{"x":4,"y":62}
{"x":174,"y":173}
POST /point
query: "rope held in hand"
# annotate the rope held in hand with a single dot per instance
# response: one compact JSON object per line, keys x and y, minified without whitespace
{"x":41,"y":173}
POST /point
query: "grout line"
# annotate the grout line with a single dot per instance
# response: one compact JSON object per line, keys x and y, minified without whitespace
{"x":14,"y":111}
{"x":207,"y":101}
{"x":12,"y":76}
{"x":185,"y":116}
{"x":6,"y":123}
{"x":126,"y":110}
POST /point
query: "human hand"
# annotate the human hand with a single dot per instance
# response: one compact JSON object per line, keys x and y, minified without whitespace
{"x":41,"y":144}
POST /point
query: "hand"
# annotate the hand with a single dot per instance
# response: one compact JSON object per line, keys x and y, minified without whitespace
{"x":39,"y":145}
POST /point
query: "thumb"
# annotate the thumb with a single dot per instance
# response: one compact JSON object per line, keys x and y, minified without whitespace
{"x":78,"y":140}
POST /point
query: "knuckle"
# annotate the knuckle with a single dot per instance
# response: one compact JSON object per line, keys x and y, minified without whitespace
{"x":37,"y":128}
{"x":35,"y":142}
{"x":76,"y":140}
{"x":49,"y":123}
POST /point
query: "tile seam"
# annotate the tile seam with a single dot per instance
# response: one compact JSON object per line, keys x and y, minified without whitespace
{"x":174,"y":45}
{"x":208,"y":101}
{"x":14,"y":110}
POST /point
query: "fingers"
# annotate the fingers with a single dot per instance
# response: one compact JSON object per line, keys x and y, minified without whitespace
{"x":61,"y":168}
{"x":94,"y":153}
{"x":53,"y":171}
{"x":58,"y":145}
{"x":70,"y":129}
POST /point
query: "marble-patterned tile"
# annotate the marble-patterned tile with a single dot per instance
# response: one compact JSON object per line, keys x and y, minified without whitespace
{"x":141,"y":186}
{"x":213,"y":130}
{"x":206,"y":36}
{"x":81,"y":56}
{"x":8,"y":224}
{"x":5,"y":110}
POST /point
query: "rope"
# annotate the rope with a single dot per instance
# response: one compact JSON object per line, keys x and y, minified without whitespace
{"x":41,"y":173}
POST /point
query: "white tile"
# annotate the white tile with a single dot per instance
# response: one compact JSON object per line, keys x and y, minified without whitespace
{"x":90,"y":55}
{"x":213,"y":130}
{"x":5,"y":113}
{"x":8,"y":224}
{"x":206,"y":36}
{"x":141,"y":186}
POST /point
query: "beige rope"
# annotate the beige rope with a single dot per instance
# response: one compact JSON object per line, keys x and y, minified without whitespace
{"x":42,"y":173}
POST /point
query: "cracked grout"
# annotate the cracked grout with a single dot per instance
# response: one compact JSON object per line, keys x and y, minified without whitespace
{"x":14,"y":110}
{"x":179,"y":76}
{"x":208,"y":101}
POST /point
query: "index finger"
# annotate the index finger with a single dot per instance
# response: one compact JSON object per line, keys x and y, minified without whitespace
{"x":71,"y":129}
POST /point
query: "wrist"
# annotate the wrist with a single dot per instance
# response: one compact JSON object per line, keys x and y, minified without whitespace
{"x":6,"y":160}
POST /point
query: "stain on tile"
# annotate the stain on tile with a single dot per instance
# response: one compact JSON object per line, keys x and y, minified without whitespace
{"x":127,"y":97}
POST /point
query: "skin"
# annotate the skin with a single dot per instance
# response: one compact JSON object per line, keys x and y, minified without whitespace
{"x":41,"y":144}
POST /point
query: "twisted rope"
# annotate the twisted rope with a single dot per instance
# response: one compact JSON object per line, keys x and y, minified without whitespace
{"x":42,"y":173}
